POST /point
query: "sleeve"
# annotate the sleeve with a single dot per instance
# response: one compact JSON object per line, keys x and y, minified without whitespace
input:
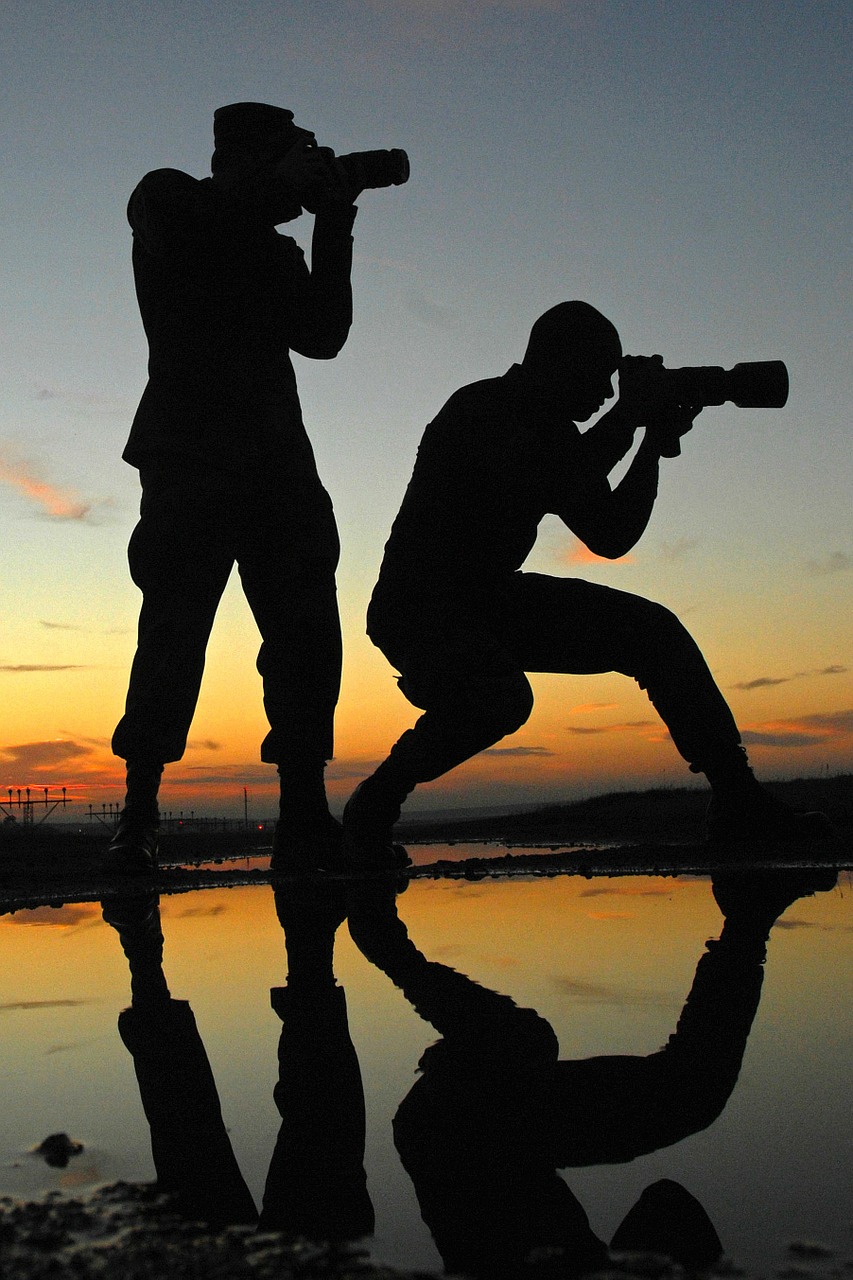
{"x":322,"y":311}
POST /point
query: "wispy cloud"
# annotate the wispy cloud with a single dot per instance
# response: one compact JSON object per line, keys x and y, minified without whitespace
{"x":81,"y":403}
{"x":767,"y":682}
{"x":430,"y":313}
{"x":626,"y":726}
{"x":517,"y":751}
{"x":583,"y":707}
{"x":802,"y":731}
{"x":677,"y":550}
{"x":58,"y":626}
{"x":35,"y":757}
{"x":58,"y":502}
{"x":835,"y":562}
{"x":592,"y":993}
{"x":40,"y":1004}
{"x":26,"y":668}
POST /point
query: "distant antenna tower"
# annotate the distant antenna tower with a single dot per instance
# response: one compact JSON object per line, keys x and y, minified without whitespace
{"x":23,"y":800}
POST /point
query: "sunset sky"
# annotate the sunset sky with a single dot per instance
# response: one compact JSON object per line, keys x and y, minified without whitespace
{"x":679,"y":165}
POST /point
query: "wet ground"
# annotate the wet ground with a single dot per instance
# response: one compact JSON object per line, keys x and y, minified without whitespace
{"x":608,"y":1062}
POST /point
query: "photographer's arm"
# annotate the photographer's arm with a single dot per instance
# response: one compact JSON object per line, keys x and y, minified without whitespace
{"x":322,"y":306}
{"x":611,"y":521}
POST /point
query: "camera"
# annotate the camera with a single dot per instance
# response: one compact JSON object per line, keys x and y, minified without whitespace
{"x":755,"y":384}
{"x":366,"y":170}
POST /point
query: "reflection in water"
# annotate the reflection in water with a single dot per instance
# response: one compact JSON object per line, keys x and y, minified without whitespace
{"x":494,"y":1113}
{"x":316,"y":1185}
{"x":191,"y":1149}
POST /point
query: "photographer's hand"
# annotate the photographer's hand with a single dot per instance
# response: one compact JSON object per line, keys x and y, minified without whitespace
{"x":315,"y":178}
{"x":647,"y":396}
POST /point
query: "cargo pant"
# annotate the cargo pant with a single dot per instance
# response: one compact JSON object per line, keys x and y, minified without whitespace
{"x":280,"y":531}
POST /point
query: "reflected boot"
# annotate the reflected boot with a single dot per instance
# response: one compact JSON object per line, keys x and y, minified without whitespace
{"x":137,"y":923}
{"x":741,"y":809}
{"x":307,"y":838}
{"x":133,"y":848}
{"x":669,"y":1221}
{"x":752,"y":901}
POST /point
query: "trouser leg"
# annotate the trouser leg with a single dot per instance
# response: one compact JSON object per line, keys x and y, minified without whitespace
{"x":287,"y":567}
{"x":568,"y":625}
{"x":179,"y":560}
{"x":473,"y":694}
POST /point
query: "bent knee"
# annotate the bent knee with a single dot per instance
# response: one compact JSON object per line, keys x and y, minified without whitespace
{"x":504,"y":703}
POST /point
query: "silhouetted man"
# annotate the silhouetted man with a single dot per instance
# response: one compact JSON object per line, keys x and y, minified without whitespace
{"x":455,"y":615}
{"x":227,"y":470}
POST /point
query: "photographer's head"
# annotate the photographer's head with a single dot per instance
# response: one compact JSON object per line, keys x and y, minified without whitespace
{"x":251,"y":134}
{"x":571,"y":357}
{"x":250,"y":137}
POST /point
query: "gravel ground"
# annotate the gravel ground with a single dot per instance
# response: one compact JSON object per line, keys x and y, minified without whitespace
{"x":126,"y":1230}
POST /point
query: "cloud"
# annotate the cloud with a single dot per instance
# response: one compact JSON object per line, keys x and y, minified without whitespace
{"x":40,"y":1004}
{"x":626,"y":726}
{"x":27,"y":668}
{"x":58,"y":502}
{"x":59,"y":626}
{"x":33,"y":757}
{"x":517,"y":751}
{"x":203,"y":911}
{"x":677,"y":550}
{"x":592,"y":993}
{"x":203,"y":744}
{"x":68,"y":916}
{"x":627,"y":891}
{"x":766,"y":682}
{"x":579,"y":553}
{"x":81,"y":403}
{"x":762,"y":682}
{"x":835,"y":562}
{"x":583,"y":707}
{"x":803,"y":731}
{"x":429,"y":313}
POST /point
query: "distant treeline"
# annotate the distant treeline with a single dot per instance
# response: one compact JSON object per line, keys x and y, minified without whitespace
{"x":659,"y":814}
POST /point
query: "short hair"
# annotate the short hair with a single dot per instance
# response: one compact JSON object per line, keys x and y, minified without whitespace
{"x":567,"y":328}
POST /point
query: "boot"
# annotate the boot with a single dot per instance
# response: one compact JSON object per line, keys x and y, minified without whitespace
{"x":133,"y":848}
{"x":307,"y":838}
{"x":369,"y":818}
{"x":742,"y":809}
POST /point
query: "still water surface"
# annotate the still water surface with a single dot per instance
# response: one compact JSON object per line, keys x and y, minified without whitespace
{"x":749,"y":1106}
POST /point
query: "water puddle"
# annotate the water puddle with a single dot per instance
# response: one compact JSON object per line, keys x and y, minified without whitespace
{"x":579,"y":1044}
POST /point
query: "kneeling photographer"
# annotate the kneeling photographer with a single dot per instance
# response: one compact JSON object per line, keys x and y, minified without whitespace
{"x":456,"y":616}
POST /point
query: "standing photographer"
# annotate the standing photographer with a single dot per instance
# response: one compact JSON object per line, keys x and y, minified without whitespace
{"x":227,"y":470}
{"x":454,"y":614}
